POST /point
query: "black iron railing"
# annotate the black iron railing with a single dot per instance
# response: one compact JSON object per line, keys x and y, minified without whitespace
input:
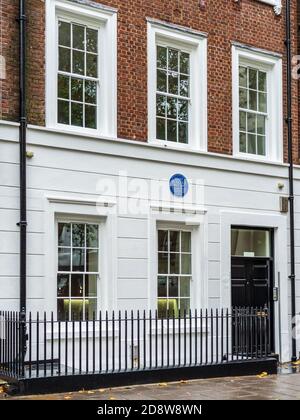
{"x":131,"y":341}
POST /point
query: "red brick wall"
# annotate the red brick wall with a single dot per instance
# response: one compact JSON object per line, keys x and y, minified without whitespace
{"x":248,"y":22}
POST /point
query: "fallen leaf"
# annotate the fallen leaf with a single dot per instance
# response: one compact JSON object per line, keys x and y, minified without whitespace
{"x":102,"y":390}
{"x":67,"y":397}
{"x":183,"y":382}
{"x":297,"y":363}
{"x":163,"y":384}
{"x":112,"y":398}
{"x":262,"y":375}
{"x":90,"y":392}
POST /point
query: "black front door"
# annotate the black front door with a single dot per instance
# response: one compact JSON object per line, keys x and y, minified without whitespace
{"x":251,"y":282}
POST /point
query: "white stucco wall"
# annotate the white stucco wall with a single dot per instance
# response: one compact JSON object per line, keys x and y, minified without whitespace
{"x":64,"y":177}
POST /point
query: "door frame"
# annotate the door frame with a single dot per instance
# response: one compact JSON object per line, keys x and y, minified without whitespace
{"x":272,"y":279}
{"x":278,"y":223}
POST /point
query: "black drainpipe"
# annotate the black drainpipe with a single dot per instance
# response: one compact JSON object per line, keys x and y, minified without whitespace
{"x":23,"y":205}
{"x":291,"y":172}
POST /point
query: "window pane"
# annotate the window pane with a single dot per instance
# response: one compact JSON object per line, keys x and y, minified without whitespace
{"x":63,"y":309}
{"x":92,"y":40}
{"x":173,"y":306}
{"x":63,"y":285}
{"x":174,"y":263}
{"x":78,"y":62}
{"x":90,"y":308}
{"x":186,"y":264}
{"x":243,"y":116}
{"x":243,"y":143}
{"x":253,"y":79}
{"x":175,"y":241}
{"x":172,"y":108}
{"x":262,"y":81}
{"x":162,"y":286}
{"x":77,"y":309}
{"x":173,"y":83}
{"x":185,"y":286}
{"x":90,"y":116}
{"x":63,"y":87}
{"x":76,"y":285}
{"x":91,"y":285}
{"x":184,"y":306}
{"x":172,"y":130}
{"x":64,"y":234}
{"x":162,"y":308}
{"x":251,"y":143}
{"x":78,"y":232}
{"x":91,"y":65}
{"x":161,"y":80}
{"x":243,"y":76}
{"x":261,"y":145}
{"x":64,"y":34}
{"x":183,"y":132}
{"x":92,"y":240}
{"x":251,"y":123}
{"x":163,"y":240}
{"x":90,"y":91}
{"x":173,"y":287}
{"x":77,"y":90}
{"x":77,"y":114}
{"x":64,"y":59}
{"x":161,"y":129}
{"x":64,"y":259}
{"x":262,"y":102}
{"x":78,"y":259}
{"x":163,"y":263}
{"x":183,"y":110}
{"x":78,"y":37}
{"x":63,"y":110}
{"x":160,"y":105}
{"x":261,"y":124}
{"x":253,"y":100}
{"x":243,"y":98}
{"x":173,"y":59}
{"x":92,"y":260}
{"x":186,"y":241}
{"x":184,"y":85}
{"x":161,"y":57}
{"x":249,"y":241}
{"x":184,"y":63}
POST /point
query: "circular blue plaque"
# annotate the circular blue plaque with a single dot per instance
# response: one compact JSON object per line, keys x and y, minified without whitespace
{"x":179,"y":185}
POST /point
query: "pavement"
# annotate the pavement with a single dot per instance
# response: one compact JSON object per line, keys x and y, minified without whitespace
{"x":285,"y":386}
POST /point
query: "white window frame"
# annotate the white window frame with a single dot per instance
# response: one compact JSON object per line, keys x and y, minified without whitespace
{"x":105,"y":20}
{"x":272,"y":65}
{"x":196,"y":45}
{"x":83,"y":221}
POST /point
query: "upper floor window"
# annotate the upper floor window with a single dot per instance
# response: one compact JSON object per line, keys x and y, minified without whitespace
{"x":177,"y":108}
{"x":257,"y":104}
{"x":77,"y":80}
{"x":81,"y":68}
{"x":253,"y":110}
{"x":173,"y":95}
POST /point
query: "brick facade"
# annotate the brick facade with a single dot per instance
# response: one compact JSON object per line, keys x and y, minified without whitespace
{"x":247,"y":21}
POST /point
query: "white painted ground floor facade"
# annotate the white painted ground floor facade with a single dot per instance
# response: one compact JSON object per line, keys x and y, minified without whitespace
{"x":119,"y":191}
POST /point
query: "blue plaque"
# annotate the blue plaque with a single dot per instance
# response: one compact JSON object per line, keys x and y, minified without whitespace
{"x":179,"y":185}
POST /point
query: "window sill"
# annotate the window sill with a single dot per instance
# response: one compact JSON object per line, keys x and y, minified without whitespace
{"x":174,"y":145}
{"x":256,"y":158}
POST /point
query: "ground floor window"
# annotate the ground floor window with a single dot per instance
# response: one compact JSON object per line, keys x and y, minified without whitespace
{"x":78,"y":270}
{"x":174,"y":271}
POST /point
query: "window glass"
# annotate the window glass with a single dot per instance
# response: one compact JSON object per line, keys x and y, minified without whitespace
{"x":77,"y":80}
{"x":253,"y":112}
{"x":78,"y":270}
{"x":250,"y":243}
{"x":172,"y":94}
{"x":174,"y":272}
